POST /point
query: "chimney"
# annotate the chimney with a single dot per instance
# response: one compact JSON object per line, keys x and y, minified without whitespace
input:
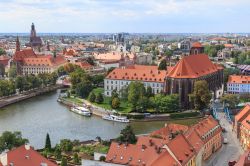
{"x":27,"y":146}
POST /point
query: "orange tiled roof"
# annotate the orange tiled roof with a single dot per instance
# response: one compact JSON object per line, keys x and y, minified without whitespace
{"x":181,"y":148}
{"x":205,"y":125}
{"x":194,"y":139}
{"x":197,"y":45}
{"x":138,"y":73}
{"x":44,"y":60}
{"x":242,"y":114}
{"x":193,"y":66}
{"x":246,"y":122}
{"x":84,"y":65}
{"x":133,"y":154}
{"x":219,"y":39}
{"x":228,"y":45}
{"x":19,"y":55}
{"x":26,"y":157}
{"x":239,"y":79}
{"x":168,"y":129}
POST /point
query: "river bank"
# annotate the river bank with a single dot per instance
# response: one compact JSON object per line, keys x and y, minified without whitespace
{"x":136,"y":117}
{"x":26,"y":95}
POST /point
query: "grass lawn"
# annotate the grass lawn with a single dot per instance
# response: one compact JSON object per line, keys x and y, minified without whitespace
{"x":124,"y":106}
{"x":187,"y":122}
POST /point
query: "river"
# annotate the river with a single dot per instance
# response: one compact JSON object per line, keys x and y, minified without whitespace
{"x":40,"y":115}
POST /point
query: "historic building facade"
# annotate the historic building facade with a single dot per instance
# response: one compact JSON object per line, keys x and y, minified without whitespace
{"x":181,"y":78}
{"x":122,"y":77}
{"x":238,"y":84}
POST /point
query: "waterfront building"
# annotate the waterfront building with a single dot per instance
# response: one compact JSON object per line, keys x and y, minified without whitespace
{"x":120,"y":78}
{"x":242,"y":127}
{"x":238,"y":84}
{"x":24,"y":156}
{"x":28,"y":62}
{"x":174,"y":144}
{"x":181,"y":78}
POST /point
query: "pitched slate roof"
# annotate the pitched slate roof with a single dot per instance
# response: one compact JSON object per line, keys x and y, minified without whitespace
{"x":193,"y":66}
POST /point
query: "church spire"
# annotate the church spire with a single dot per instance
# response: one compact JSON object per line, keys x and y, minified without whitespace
{"x":33,"y":31}
{"x":17,"y":44}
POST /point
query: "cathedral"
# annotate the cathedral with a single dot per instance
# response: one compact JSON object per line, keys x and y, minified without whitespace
{"x":35,"y":41}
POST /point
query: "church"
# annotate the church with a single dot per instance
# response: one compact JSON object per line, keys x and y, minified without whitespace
{"x":35,"y":41}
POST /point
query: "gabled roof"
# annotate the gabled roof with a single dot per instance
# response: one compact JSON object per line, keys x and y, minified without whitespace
{"x":193,"y":66}
{"x":243,"y":114}
{"x":239,"y":79}
{"x":197,"y":45}
{"x":44,"y":60}
{"x":138,"y":73}
{"x":26,"y":156}
{"x":205,"y":125}
{"x":194,"y":139}
{"x":26,"y":53}
{"x":181,"y":149}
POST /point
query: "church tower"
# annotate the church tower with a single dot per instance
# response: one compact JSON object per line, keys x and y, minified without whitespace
{"x":33,"y":31}
{"x":17,"y":44}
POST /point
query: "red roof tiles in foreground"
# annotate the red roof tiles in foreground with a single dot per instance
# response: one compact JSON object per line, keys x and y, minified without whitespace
{"x":181,"y":149}
{"x":138,"y":73}
{"x":243,"y":114}
{"x":193,"y":66}
{"x":26,"y":156}
{"x":44,"y":60}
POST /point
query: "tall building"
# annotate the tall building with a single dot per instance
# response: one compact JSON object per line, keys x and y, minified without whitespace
{"x":35,"y":41}
{"x":181,"y":78}
{"x":17,"y":44}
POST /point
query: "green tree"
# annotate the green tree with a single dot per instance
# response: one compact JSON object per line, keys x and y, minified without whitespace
{"x":92,"y":97}
{"x":165,"y":103}
{"x":136,"y":91}
{"x":231,"y":100}
{"x":2,"y":70}
{"x":66,"y":145}
{"x":47,"y":143}
{"x":61,"y":71}
{"x":20,"y":83}
{"x":99,"y":98}
{"x":64,"y":162}
{"x":127,"y":135}
{"x":149,"y":92}
{"x":115,"y":103}
{"x":9,"y":140}
{"x":162,"y":65}
{"x":201,"y":95}
{"x":58,"y":152}
{"x":2,"y":51}
{"x":76,"y":159}
{"x":12,"y":71}
{"x":83,"y":89}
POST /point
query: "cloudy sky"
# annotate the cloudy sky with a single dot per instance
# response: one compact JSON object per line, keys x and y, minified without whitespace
{"x":159,"y":16}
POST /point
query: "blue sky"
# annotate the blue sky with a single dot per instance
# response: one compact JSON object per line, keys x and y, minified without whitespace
{"x":157,"y":16}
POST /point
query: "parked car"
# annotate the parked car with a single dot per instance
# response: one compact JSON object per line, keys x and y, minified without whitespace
{"x":225,"y":141}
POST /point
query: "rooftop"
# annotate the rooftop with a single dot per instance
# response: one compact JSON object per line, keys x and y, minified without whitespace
{"x":239,"y":79}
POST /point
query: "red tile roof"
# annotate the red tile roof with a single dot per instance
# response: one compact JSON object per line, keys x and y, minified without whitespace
{"x":228,"y":45}
{"x":182,"y":149}
{"x":194,"y":139}
{"x":193,"y":66}
{"x":44,"y":60}
{"x":197,"y":45}
{"x":26,"y":53}
{"x":138,"y":73}
{"x":84,"y":65}
{"x":4,"y":60}
{"x":26,"y":157}
{"x":239,"y":79}
{"x":243,"y":113}
{"x":205,"y":125}
{"x":166,"y":131}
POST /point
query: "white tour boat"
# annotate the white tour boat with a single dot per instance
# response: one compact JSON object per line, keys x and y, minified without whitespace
{"x":115,"y":118}
{"x":81,"y":110}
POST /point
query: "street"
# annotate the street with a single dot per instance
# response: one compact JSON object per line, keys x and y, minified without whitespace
{"x":228,"y":152}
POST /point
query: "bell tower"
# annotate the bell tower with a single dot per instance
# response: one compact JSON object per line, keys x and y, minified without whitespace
{"x":33,"y":31}
{"x":17,"y":44}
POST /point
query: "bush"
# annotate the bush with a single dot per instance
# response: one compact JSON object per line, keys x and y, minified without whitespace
{"x":102,"y":158}
{"x":99,"y":98}
{"x":92,"y":97}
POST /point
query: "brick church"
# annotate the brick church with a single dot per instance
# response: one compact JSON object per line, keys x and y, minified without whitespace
{"x":197,"y":66}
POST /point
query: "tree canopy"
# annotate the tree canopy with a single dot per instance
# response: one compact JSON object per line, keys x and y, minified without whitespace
{"x":201,"y":95}
{"x":127,"y":135}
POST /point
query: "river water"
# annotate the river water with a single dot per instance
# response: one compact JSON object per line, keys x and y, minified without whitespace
{"x":40,"y":115}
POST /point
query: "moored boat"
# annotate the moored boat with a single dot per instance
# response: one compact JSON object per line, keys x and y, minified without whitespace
{"x":115,"y":118}
{"x":81,"y":110}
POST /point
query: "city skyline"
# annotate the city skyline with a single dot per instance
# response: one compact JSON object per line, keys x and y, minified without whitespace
{"x":109,"y":16}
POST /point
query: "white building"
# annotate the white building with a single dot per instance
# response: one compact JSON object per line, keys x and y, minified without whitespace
{"x":122,"y":77}
{"x":238,"y":84}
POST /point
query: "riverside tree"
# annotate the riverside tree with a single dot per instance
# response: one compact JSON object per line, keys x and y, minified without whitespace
{"x":201,"y":95}
{"x":127,"y":135}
